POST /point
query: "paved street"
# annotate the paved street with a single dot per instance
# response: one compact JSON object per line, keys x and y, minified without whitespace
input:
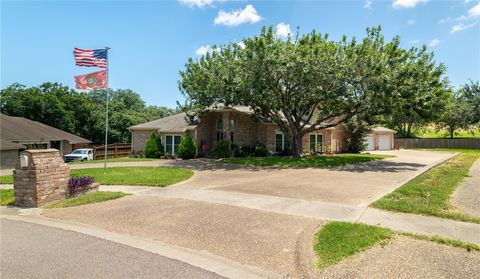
{"x":36,"y":251}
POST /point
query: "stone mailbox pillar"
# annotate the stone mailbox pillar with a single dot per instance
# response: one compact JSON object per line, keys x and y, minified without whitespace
{"x":40,"y":177}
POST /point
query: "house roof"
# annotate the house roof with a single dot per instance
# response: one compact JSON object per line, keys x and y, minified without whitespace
{"x":382,"y":129}
{"x":23,"y":129}
{"x":177,"y":123}
{"x":8,"y":145}
{"x":172,"y":123}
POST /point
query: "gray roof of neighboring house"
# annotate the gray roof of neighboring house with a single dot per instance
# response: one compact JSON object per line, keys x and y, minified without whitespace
{"x":23,"y":129}
{"x":8,"y":145}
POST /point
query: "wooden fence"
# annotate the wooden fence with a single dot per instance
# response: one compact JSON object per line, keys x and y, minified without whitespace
{"x":438,"y":143}
{"x":114,"y":150}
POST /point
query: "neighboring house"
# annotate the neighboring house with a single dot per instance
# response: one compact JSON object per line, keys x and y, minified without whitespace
{"x":18,"y":133}
{"x":239,"y":125}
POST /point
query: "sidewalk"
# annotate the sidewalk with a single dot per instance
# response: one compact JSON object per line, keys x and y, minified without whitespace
{"x":431,"y":226}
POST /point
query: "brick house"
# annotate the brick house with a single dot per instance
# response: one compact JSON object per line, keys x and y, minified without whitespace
{"x":239,"y":125}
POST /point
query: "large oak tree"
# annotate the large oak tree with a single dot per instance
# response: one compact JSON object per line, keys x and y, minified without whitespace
{"x":301,"y":83}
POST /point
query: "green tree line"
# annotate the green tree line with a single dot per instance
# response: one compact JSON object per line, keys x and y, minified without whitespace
{"x":80,"y":113}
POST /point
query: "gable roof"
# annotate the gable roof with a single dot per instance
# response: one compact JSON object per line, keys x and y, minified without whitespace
{"x":173,"y":123}
{"x":22,"y":129}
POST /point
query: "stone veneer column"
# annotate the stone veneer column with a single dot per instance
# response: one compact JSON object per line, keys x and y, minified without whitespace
{"x":40,"y":177}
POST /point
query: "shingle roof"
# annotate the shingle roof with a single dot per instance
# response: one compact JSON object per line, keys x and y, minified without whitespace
{"x":382,"y":129}
{"x":23,"y":129}
{"x":173,"y":123}
{"x":8,"y":145}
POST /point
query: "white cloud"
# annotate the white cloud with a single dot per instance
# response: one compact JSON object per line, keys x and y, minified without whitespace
{"x":368,"y":4}
{"x":203,"y":50}
{"x":234,"y":18}
{"x":460,"y":27}
{"x":444,"y":20}
{"x":414,"y":42}
{"x":411,"y":22}
{"x":475,"y":11}
{"x":197,"y":3}
{"x":282,"y":29}
{"x":434,"y":42}
{"x":398,"y":4}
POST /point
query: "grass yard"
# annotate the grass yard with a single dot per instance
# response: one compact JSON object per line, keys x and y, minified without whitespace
{"x":431,"y":132}
{"x":113,"y":160}
{"x":338,"y":240}
{"x":7,"y":197}
{"x":146,"y":176}
{"x":307,"y":162}
{"x":94,"y":197}
{"x":429,"y":193}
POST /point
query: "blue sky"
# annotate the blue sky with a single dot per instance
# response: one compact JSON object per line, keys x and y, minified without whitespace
{"x":152,"y":40}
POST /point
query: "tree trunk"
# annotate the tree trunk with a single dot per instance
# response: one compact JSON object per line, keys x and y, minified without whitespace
{"x":451,"y":133}
{"x":296,"y":144}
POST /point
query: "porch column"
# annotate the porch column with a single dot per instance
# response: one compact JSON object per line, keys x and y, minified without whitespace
{"x":226,"y":125}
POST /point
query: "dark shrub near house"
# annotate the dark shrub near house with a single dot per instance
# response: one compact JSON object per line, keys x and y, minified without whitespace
{"x":258,"y":150}
{"x":78,"y":184}
{"x":261,"y":150}
{"x":187,"y":149}
{"x":222,"y":149}
{"x":153,"y":147}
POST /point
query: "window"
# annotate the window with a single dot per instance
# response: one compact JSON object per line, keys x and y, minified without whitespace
{"x":219,"y":126}
{"x":316,"y":142}
{"x":232,"y":129}
{"x":281,"y":142}
{"x":171,"y":144}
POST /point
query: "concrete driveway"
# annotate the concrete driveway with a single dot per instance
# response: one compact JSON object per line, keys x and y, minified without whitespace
{"x":358,"y":184}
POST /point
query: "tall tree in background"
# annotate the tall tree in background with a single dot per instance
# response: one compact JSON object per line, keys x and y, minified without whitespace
{"x":80,"y":113}
{"x":420,"y":91}
{"x":307,"y":82}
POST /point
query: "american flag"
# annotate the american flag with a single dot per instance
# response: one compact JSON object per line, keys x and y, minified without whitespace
{"x":90,"y":57}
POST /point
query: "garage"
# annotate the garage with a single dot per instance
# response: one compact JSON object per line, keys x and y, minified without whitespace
{"x":381,"y":138}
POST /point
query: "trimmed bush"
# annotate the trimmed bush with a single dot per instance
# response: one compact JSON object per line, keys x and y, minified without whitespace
{"x":79,"y":183}
{"x":187,"y":149}
{"x":153,"y":147}
{"x":222,"y":149}
{"x":261,"y":150}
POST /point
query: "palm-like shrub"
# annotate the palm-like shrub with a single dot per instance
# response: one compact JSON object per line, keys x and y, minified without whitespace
{"x":187,"y":149}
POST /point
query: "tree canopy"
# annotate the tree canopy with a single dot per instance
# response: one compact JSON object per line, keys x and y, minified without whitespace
{"x":80,"y":113}
{"x":307,"y":82}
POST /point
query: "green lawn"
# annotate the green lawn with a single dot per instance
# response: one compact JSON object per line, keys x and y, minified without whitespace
{"x":94,"y":197}
{"x":147,"y":176}
{"x":7,"y":197}
{"x":429,"y":193}
{"x":338,"y":240}
{"x":306,"y":162}
{"x":125,"y":159}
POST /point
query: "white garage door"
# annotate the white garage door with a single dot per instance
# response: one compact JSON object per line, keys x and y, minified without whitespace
{"x":369,"y":142}
{"x":384,"y":143}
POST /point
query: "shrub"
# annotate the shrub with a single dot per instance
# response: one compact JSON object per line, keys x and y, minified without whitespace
{"x":187,"y":149}
{"x":153,"y":147}
{"x":78,"y":183}
{"x":260,"y":150}
{"x":222,"y":149}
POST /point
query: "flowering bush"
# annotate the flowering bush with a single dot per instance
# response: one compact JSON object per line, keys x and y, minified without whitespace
{"x":79,"y":183}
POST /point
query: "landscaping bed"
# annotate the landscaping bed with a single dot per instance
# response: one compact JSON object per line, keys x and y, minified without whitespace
{"x":89,"y":198}
{"x":430,"y":193}
{"x":322,"y":161}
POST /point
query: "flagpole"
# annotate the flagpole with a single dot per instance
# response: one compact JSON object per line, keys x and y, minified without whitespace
{"x":106,"y":117}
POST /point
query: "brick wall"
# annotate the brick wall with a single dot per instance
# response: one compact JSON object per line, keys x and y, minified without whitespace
{"x":44,"y":179}
{"x":139,"y":139}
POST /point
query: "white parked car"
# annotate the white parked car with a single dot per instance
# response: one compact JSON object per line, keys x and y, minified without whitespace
{"x":84,"y":154}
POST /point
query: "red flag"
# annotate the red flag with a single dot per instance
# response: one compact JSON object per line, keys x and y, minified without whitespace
{"x":92,"y":80}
